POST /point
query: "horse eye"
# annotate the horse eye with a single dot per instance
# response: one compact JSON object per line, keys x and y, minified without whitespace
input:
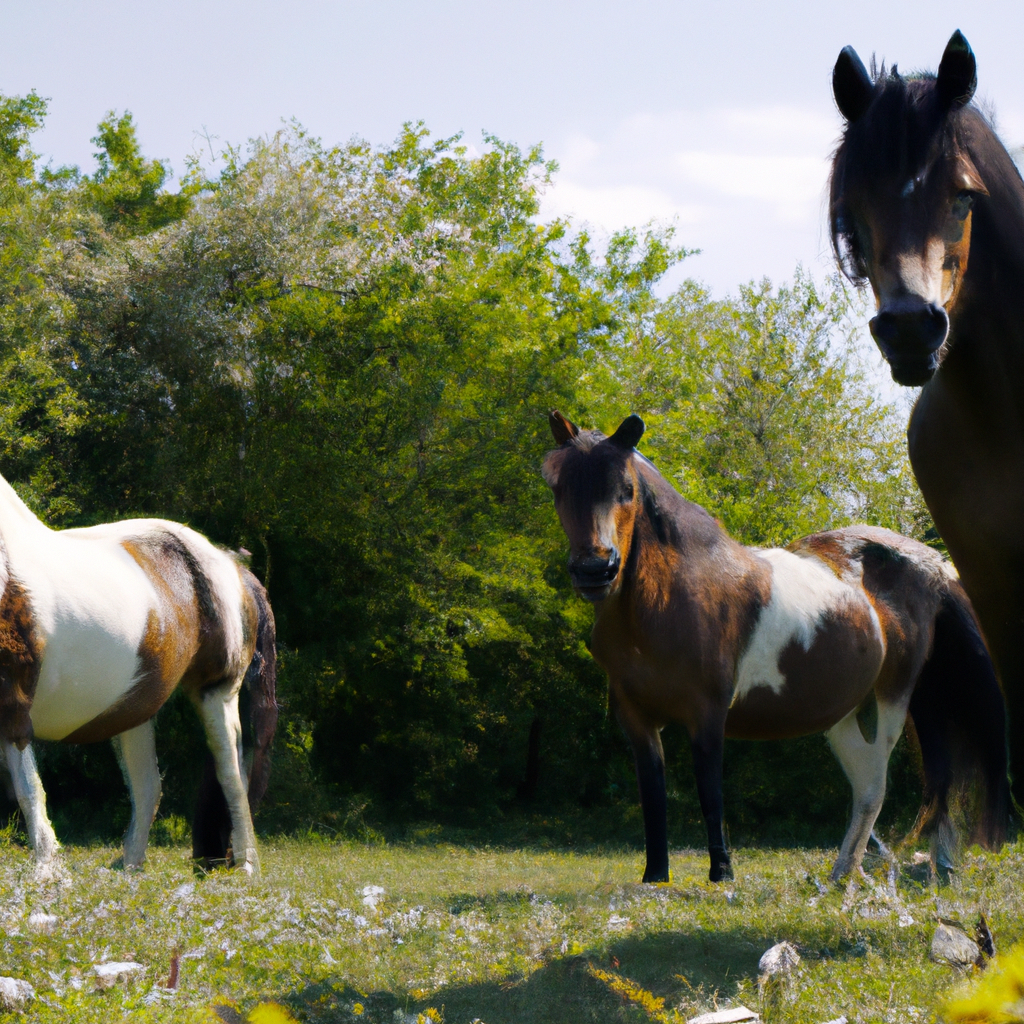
{"x":962,"y":203}
{"x":627,"y":494}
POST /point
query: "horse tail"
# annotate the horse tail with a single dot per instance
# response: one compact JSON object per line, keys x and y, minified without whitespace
{"x":261,"y":682}
{"x":959,"y":715}
{"x":211,"y":826}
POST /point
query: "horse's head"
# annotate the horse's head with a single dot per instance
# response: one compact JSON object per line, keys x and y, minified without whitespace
{"x":903,"y":184}
{"x":597,"y":496}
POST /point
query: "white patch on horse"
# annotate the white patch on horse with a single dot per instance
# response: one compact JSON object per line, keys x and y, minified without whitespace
{"x":804,"y":589}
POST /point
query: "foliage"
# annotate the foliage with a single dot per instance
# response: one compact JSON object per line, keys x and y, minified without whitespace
{"x":341,"y":359}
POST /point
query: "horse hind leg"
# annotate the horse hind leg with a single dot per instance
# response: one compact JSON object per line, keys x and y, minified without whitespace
{"x":218,"y":708}
{"x":136,"y":753}
{"x":863,"y":754}
{"x":28,"y":788}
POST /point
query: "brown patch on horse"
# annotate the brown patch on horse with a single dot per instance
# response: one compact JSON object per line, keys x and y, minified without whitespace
{"x":21,"y":650}
{"x":842,"y":651}
{"x":160,"y":661}
{"x":169,"y":645}
{"x":184,"y":640}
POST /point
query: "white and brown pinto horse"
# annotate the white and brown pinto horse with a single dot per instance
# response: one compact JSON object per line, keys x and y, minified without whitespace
{"x":842,"y":631}
{"x":98,"y":626}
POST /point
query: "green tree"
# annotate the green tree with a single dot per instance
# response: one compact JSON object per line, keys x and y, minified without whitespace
{"x":127,"y":190}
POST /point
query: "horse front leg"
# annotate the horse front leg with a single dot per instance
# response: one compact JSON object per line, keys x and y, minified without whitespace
{"x":649,"y":757}
{"x":32,"y":799}
{"x":650,"y":776}
{"x":708,"y":747}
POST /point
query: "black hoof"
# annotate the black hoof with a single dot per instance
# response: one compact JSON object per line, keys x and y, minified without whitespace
{"x":721,"y":867}
{"x":661,"y":875}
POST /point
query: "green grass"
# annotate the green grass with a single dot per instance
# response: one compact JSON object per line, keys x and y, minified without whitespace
{"x":497,"y":935}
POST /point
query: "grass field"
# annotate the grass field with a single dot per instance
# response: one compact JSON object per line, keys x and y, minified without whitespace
{"x":345,"y":932}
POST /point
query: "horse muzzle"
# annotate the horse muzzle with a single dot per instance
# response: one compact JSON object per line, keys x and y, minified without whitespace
{"x":910,"y":339}
{"x":592,"y":577}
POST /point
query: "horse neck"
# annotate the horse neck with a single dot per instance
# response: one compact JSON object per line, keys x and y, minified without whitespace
{"x":673,"y":539}
{"x":994,"y":282}
{"x":17,"y":520}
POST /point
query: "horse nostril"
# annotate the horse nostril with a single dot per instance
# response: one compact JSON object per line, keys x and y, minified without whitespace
{"x":594,"y":571}
{"x":884,"y":328}
{"x":910,"y":332}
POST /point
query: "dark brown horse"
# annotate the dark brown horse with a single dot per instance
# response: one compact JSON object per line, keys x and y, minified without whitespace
{"x":842,"y":631}
{"x":927,"y":205}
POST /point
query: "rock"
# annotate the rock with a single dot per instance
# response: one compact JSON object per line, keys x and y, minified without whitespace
{"x":780,"y":959}
{"x":43,"y":923}
{"x":951,"y":946}
{"x":15,"y":994}
{"x":108,"y":975}
{"x":732,"y":1016}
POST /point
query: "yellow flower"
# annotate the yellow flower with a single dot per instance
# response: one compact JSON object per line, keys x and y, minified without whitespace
{"x":997,"y":997}
{"x":271,"y":1013}
{"x":357,"y":1009}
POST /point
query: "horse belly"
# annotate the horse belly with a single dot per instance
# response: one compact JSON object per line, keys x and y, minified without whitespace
{"x":814,"y":655}
{"x":86,"y":669}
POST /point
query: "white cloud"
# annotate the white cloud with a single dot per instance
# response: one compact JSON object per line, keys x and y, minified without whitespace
{"x":746,"y":185}
{"x":792,"y":184}
{"x":616,"y":206}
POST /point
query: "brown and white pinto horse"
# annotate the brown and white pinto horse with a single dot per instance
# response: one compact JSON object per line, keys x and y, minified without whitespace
{"x":842,"y":631}
{"x":927,"y":205}
{"x":98,"y":626}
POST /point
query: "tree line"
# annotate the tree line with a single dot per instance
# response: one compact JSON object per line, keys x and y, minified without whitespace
{"x":340,"y":360}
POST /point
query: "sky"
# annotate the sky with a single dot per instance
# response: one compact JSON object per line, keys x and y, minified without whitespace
{"x":717,"y":117}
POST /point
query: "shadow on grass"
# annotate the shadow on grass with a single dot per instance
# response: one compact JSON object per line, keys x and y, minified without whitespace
{"x":697,"y":968}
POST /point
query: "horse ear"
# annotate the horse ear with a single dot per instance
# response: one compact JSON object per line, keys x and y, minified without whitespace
{"x":958,"y":72}
{"x":851,"y":85}
{"x":562,"y":428}
{"x":631,"y":429}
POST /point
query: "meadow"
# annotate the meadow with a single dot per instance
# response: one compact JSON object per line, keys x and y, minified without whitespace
{"x":340,"y":931}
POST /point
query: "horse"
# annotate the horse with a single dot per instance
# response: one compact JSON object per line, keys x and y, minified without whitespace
{"x":98,"y":627}
{"x":845,"y":631}
{"x":926,"y":204}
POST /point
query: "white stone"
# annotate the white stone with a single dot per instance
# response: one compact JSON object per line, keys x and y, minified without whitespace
{"x":732,"y":1016}
{"x":781,"y":958}
{"x":108,"y":975}
{"x":952,"y":946}
{"x":14,"y":994}
{"x":42,"y":922}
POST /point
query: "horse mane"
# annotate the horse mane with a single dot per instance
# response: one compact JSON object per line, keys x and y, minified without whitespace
{"x":904,"y":130}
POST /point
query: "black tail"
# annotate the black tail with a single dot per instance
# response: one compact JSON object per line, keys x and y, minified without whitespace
{"x":960,"y":719}
{"x":211,"y":827}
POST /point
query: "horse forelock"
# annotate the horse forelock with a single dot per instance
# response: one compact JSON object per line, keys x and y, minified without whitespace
{"x":904,"y":132}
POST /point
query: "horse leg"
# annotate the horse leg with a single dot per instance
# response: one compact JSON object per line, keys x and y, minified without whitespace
{"x":136,"y":753}
{"x":708,"y":751}
{"x":650,"y":776}
{"x":865,"y":764}
{"x":218,"y":708}
{"x":32,"y":799}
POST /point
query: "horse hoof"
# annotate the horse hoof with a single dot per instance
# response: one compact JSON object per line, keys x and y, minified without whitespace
{"x":720,"y":873}
{"x":45,"y":871}
{"x":656,"y":877}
